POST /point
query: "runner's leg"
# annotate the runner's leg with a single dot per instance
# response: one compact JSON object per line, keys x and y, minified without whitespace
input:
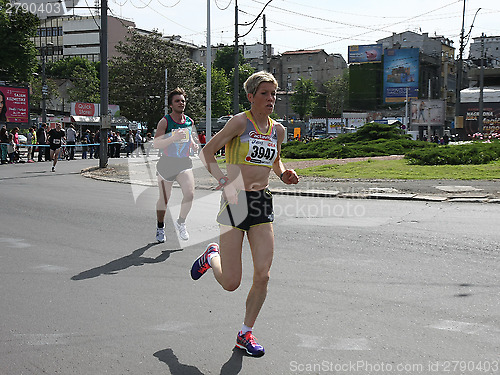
{"x":227,"y":266}
{"x":261,"y":238}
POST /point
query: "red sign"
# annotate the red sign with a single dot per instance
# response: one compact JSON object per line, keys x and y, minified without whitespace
{"x":85,"y":109}
{"x":15,"y":104}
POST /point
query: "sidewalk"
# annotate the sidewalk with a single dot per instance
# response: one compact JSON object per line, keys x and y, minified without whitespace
{"x":141,"y":171}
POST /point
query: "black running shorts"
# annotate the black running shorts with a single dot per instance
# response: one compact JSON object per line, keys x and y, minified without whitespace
{"x":253,"y":208}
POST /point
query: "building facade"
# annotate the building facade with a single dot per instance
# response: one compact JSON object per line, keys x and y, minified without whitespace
{"x":491,"y":52}
{"x":67,"y":36}
{"x":313,"y":64}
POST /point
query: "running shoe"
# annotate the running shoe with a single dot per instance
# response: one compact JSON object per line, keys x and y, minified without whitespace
{"x":201,"y":265}
{"x":181,"y":229}
{"x":53,"y":169}
{"x":247,"y":341}
{"x":160,"y":235}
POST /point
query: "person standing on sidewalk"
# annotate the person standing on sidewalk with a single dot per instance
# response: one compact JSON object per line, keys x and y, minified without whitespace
{"x":253,"y":144}
{"x":31,"y":142}
{"x":71,"y":141}
{"x":175,"y":137}
{"x":41,"y":136}
{"x":4,"y":141}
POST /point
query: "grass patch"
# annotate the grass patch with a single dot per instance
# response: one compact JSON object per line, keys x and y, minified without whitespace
{"x":400,"y":169}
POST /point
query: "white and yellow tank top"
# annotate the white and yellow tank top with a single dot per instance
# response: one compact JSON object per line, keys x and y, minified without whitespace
{"x":253,"y":147}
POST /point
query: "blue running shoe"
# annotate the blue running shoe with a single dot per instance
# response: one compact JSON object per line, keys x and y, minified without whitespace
{"x":247,"y":342}
{"x":201,"y":265}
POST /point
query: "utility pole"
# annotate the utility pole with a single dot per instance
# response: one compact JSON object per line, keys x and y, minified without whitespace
{"x":481,"y":88}
{"x":460,"y":68}
{"x":264,"y":44}
{"x":236,"y":88}
{"x":166,"y":91}
{"x":44,"y":87}
{"x":105,"y":118}
{"x":208,"y":115}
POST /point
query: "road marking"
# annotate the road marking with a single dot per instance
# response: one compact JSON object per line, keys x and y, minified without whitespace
{"x":333,"y":343}
{"x":172,"y":327}
{"x":50,"y":268}
{"x":490,"y":333}
{"x":44,"y":339}
{"x":14,"y":243}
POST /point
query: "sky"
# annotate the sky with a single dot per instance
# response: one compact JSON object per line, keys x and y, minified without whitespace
{"x":310,"y":24}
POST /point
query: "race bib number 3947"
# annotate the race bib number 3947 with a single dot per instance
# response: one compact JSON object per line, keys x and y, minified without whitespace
{"x":261,"y":152}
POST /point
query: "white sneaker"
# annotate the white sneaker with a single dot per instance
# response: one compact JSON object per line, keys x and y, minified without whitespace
{"x":160,"y":234}
{"x":181,"y":229}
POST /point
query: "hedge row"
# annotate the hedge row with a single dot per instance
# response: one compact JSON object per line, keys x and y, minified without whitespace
{"x":475,"y":153}
{"x":382,"y":139}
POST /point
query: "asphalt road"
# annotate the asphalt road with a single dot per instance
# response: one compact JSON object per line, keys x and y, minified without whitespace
{"x":357,"y":286}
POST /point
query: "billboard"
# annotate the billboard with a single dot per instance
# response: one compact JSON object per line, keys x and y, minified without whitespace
{"x":15,"y":102}
{"x":427,"y":112}
{"x":369,"y":53}
{"x":92,"y":109}
{"x":491,"y":117}
{"x":401,"y":68}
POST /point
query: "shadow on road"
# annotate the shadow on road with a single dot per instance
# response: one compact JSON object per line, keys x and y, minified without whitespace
{"x":234,"y":364}
{"x":176,"y":368}
{"x":231,"y":367}
{"x":134,"y":259}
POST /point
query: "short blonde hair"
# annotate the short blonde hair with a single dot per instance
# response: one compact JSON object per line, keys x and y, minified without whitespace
{"x":252,"y":83}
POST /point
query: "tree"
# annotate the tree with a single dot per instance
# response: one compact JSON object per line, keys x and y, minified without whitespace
{"x":36,"y":92}
{"x":65,"y":68}
{"x":18,"y":58}
{"x":304,"y":98}
{"x":224,"y":59}
{"x":84,"y":77}
{"x":337,"y":93}
{"x":221,"y":93}
{"x":245,"y":71}
{"x":86,"y":86}
{"x":137,"y":78}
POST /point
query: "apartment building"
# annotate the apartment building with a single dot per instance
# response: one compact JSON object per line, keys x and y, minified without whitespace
{"x":59,"y":37}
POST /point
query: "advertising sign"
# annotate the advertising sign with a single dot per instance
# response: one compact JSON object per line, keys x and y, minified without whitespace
{"x":427,"y":112}
{"x":93,"y":109}
{"x":401,"y":68}
{"x":335,"y":125}
{"x":369,"y":53}
{"x":15,"y":104}
{"x":491,"y":117}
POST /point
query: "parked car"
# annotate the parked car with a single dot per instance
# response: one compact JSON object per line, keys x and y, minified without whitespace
{"x":223,"y":119}
{"x":22,"y":139}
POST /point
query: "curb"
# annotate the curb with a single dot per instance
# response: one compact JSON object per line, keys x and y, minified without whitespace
{"x":316,"y":193}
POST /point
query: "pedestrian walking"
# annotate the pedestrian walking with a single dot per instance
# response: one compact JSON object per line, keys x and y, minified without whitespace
{"x":174,"y":136}
{"x":253,"y":144}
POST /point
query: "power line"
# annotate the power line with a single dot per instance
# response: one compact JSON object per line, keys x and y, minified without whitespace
{"x":223,"y":8}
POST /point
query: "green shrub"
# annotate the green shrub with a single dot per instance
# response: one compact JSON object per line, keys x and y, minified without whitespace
{"x":476,"y":153}
{"x":370,"y":140}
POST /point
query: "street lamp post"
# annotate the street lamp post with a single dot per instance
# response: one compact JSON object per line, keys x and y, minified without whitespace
{"x":45,"y":89}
